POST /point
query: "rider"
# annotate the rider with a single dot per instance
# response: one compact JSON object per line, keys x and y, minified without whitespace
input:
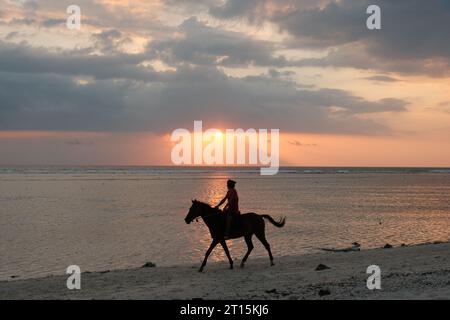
{"x":232,"y":206}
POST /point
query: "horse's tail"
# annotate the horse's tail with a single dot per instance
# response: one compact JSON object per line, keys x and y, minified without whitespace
{"x":280,"y":223}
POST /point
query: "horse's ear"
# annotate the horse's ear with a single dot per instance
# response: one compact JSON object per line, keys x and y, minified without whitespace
{"x":192,"y":200}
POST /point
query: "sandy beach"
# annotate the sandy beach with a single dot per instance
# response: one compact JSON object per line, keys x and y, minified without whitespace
{"x":416,"y":272}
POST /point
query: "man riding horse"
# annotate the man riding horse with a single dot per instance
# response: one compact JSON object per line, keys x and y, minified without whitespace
{"x":231,"y":208}
{"x":249,"y":224}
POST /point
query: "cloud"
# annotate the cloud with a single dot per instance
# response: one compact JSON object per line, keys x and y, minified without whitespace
{"x":138,"y":16}
{"x":253,"y":10}
{"x":11,"y":35}
{"x":297,"y":143}
{"x":103,"y":88}
{"x":21,"y":21}
{"x":413,"y":38}
{"x":49,"y":23}
{"x":256,"y":11}
{"x":23,"y":58}
{"x":30,"y":6}
{"x":110,"y":41}
{"x":45,"y":101}
{"x":381,"y":78}
{"x":204,"y":45}
{"x":356,"y":56}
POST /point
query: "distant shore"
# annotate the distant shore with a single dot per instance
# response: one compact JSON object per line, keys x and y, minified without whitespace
{"x":416,"y":272}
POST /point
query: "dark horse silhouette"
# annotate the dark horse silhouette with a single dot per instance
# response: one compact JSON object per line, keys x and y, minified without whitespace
{"x":245,"y":226}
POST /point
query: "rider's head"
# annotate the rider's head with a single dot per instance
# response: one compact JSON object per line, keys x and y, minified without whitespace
{"x":231,"y":184}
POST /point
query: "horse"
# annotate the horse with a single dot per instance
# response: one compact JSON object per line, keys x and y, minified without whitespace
{"x":246,"y":226}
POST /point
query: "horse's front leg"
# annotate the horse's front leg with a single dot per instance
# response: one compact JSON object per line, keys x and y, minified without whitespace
{"x":208,"y":252}
{"x":225,"y":248}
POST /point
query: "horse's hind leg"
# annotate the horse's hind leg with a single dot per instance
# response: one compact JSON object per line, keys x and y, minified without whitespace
{"x":262,"y":238}
{"x":225,"y":248}
{"x":248,"y":241}
{"x":208,"y":252}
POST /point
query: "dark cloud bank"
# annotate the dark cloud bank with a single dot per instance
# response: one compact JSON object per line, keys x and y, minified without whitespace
{"x":39,"y":91}
{"x":414,"y":38}
{"x":39,"y":88}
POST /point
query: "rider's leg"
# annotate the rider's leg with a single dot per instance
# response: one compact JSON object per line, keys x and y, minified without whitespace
{"x":227,"y":224}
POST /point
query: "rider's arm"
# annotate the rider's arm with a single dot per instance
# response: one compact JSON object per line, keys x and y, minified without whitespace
{"x":222,"y":202}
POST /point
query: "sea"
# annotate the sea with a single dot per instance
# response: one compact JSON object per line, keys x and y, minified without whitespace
{"x":107,"y":218}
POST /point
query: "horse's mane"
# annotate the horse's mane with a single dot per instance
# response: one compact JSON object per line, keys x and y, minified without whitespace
{"x":203,"y":204}
{"x":207,"y":206}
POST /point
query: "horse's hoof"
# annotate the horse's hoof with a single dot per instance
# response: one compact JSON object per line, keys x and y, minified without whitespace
{"x":200,"y":270}
{"x":231,"y":268}
{"x":272,"y":263}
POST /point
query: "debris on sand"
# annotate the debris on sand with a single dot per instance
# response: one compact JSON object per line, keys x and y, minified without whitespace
{"x":324,"y":292}
{"x":271,"y":291}
{"x":149,"y":265}
{"x":355,"y":247}
{"x":321,"y":267}
{"x":387,"y":246}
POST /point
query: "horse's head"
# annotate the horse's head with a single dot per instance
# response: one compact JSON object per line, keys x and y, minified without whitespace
{"x":195,"y":211}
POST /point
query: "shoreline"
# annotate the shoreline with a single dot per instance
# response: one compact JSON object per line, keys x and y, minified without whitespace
{"x":411,"y":272}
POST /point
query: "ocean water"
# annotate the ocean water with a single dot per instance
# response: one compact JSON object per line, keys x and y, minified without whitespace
{"x":111,"y":218}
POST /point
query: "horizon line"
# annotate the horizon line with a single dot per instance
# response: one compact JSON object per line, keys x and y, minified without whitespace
{"x":216,"y":166}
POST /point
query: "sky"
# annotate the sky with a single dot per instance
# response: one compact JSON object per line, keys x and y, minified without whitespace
{"x":111,"y":92}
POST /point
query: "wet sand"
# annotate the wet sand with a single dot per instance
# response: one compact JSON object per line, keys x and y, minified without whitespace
{"x":416,"y":272}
